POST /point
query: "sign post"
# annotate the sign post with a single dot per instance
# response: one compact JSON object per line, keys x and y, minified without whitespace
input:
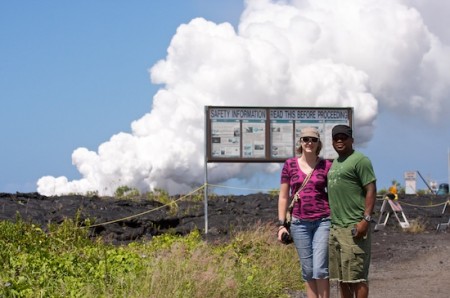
{"x":410,"y":182}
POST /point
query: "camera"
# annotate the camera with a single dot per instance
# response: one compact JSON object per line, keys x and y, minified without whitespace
{"x":286,"y":238}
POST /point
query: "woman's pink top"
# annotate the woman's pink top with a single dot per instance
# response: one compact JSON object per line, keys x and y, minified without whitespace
{"x":313,"y":199}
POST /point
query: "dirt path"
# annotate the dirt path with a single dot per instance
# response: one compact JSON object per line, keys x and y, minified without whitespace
{"x":408,"y":265}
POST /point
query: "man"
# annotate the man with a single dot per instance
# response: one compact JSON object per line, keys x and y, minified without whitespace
{"x":352,"y":195}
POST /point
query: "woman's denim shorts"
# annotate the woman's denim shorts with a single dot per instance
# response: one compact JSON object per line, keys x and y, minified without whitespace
{"x":311,"y":241}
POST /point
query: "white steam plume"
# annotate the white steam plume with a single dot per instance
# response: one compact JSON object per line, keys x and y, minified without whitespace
{"x":364,"y":54}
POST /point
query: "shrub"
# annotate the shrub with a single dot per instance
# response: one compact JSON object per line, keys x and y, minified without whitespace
{"x":416,"y":226}
{"x":126,"y":192}
{"x":163,"y":197}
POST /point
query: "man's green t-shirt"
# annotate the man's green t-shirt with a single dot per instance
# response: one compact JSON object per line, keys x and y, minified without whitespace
{"x":346,"y":180}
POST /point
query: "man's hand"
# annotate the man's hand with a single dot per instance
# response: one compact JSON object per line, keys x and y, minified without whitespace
{"x":362,"y":228}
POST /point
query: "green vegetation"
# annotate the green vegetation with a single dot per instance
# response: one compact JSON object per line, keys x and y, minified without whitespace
{"x":162,"y":196}
{"x":126,"y":192}
{"x":64,"y":262}
{"x":274,"y":193}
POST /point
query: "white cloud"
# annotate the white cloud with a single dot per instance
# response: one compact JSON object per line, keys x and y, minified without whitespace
{"x":367,"y":55}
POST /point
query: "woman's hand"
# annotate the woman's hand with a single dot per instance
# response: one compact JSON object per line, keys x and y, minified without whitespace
{"x":284,"y":236}
{"x":281,"y":230}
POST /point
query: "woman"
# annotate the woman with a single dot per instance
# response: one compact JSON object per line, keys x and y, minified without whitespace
{"x":310,"y":226}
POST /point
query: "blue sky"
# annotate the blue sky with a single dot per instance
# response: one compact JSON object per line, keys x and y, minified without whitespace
{"x":74,"y":74}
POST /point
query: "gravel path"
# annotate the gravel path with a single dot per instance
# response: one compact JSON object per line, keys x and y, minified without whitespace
{"x":411,"y":265}
{"x":407,"y":265}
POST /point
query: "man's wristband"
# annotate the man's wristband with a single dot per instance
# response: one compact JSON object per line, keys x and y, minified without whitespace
{"x":281,"y":222}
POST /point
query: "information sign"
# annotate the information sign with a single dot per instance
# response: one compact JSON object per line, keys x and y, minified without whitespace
{"x":267,"y":134}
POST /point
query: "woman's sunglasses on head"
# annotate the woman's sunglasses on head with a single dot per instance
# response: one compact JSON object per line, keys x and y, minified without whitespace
{"x":309,"y":139}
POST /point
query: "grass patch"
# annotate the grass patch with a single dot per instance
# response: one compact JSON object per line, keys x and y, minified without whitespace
{"x":64,"y":262}
{"x":416,"y":226}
